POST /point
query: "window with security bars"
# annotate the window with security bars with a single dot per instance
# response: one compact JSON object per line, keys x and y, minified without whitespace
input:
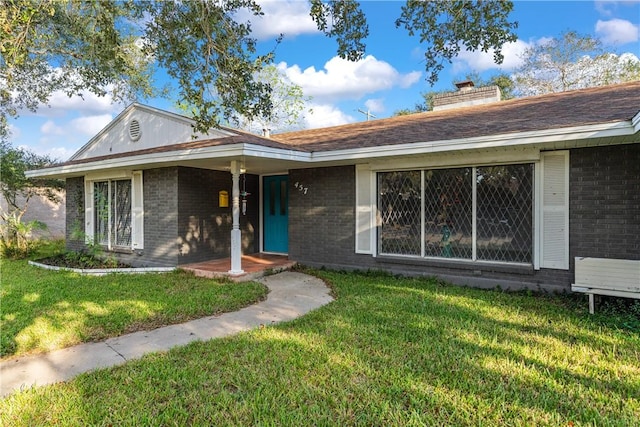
{"x":505,"y":213}
{"x":430,"y":213}
{"x":399,"y":204}
{"x":112,"y":210}
{"x":448,"y":213}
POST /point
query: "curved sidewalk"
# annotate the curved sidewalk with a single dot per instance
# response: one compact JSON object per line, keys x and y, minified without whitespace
{"x":290,"y":295}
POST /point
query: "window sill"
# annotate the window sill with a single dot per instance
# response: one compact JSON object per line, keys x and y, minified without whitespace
{"x":119,"y":250}
{"x":477,"y":266}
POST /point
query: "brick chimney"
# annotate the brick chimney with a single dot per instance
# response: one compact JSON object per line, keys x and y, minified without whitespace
{"x":466,"y":96}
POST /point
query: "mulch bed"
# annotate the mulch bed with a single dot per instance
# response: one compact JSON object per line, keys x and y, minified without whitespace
{"x":82,"y":261}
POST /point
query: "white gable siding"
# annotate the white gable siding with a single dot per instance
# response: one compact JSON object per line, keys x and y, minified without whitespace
{"x":156,"y":129}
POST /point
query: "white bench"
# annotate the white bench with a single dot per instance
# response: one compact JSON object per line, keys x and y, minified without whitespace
{"x":604,"y":276}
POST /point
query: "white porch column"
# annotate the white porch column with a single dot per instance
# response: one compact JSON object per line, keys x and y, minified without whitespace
{"x":236,"y":234}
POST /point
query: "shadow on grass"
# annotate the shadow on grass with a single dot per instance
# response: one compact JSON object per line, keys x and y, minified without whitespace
{"x":387,"y":352}
{"x":44,"y":310}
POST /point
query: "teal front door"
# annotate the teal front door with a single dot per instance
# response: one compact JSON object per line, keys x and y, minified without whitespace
{"x":275,"y":190}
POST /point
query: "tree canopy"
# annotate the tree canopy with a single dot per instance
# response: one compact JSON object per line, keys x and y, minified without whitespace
{"x":287,"y":100}
{"x":115,"y":47}
{"x":572,"y":61}
{"x":17,"y":190}
{"x":15,"y":187}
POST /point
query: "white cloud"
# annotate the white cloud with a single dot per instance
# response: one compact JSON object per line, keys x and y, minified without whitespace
{"x":342,"y":79}
{"x":375,"y":105}
{"x":617,"y":31}
{"x":50,"y":128}
{"x":14,"y":132}
{"x":90,"y":125}
{"x":324,"y":115}
{"x":289,"y":17}
{"x":482,"y":61}
{"x":609,"y":7}
{"x":604,"y":7}
{"x":59,"y":153}
{"x":88,"y":103}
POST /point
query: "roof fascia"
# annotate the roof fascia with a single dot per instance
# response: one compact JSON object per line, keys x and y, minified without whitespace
{"x":143,"y":160}
{"x":601,"y":130}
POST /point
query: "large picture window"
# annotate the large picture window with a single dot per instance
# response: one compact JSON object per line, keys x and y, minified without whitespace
{"x":112,"y":213}
{"x":473,"y":213}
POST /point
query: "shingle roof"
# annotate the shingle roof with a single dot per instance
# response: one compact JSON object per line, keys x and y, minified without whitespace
{"x":558,"y":110}
{"x":565,"y":109}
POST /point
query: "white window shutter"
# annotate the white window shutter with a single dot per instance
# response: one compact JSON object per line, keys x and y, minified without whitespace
{"x":88,"y":212}
{"x":555,"y":210}
{"x":364,"y":210}
{"x":137,"y":211}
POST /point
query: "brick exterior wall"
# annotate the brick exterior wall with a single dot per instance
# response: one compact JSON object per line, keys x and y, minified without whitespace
{"x":604,"y":222}
{"x":160,"y":193}
{"x":321,"y":222}
{"x":182,"y":220}
{"x":605,"y":202}
{"x":204,"y":228}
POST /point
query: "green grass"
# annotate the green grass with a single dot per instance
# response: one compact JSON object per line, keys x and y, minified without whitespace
{"x":43,"y":310}
{"x":388,"y":351}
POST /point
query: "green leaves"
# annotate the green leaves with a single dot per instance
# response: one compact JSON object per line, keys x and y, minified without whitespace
{"x":113,"y":48}
{"x":14,"y":162}
{"x":70,"y":46}
{"x":344,"y":21}
{"x":211,"y":56}
{"x":17,"y":190}
{"x":448,"y":26}
{"x":287,"y":104}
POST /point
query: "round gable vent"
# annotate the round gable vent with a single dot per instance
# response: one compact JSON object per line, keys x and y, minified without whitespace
{"x":134,"y":130}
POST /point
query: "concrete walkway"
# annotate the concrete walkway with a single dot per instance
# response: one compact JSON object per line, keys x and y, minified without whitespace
{"x":290,"y":295}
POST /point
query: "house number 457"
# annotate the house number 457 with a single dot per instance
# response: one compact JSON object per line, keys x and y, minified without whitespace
{"x":301,"y":188}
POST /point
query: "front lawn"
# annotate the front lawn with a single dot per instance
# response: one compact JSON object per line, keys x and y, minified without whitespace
{"x":388,"y":351}
{"x":44,"y":310}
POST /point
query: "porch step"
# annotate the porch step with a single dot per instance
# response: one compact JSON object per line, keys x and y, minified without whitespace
{"x":255,"y":266}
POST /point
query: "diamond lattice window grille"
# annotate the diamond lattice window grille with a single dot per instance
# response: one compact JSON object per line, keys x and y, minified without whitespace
{"x":448,"y":213}
{"x":399,"y":203}
{"x":121,"y":212}
{"x":101,"y":212}
{"x":112,"y":213}
{"x":505,"y":213}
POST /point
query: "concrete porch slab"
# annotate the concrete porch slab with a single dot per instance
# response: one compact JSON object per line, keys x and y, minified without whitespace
{"x":255,"y":266}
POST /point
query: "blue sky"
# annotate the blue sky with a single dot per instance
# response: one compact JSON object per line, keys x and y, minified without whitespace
{"x":390,"y":77}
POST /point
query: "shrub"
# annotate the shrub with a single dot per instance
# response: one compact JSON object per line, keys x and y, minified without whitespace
{"x":15,"y":234}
